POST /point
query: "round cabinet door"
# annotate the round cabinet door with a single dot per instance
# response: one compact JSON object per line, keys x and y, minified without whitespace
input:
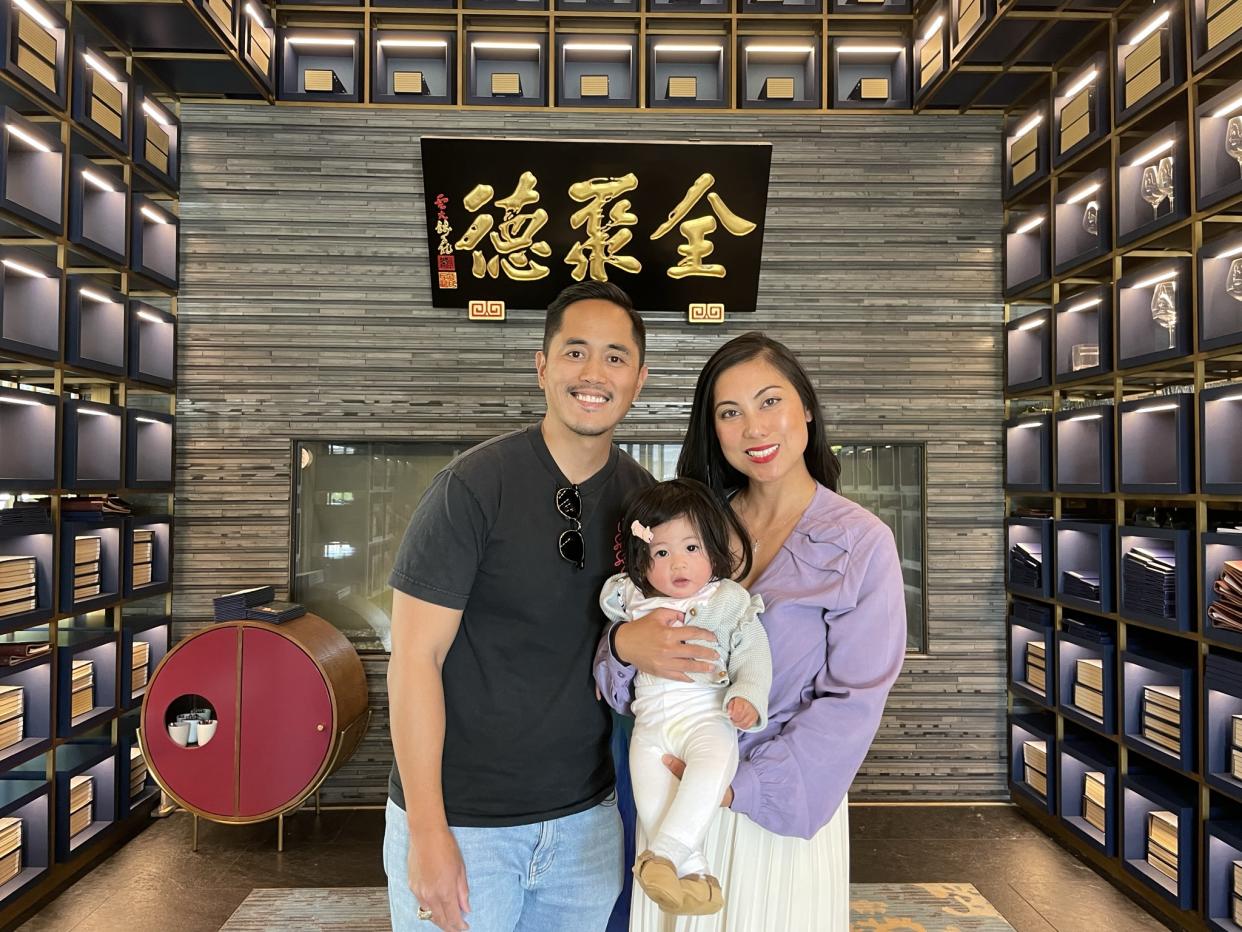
{"x":286,"y":722}
{"x":203,"y":667}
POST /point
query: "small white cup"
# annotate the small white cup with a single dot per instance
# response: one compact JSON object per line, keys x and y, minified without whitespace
{"x":180,"y":733}
{"x":206,"y":731}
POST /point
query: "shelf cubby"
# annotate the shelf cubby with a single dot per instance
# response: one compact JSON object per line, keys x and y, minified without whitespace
{"x":149,"y":441}
{"x":687,"y":71}
{"x":930,"y":52}
{"x":1215,"y":549}
{"x":91,"y":446}
{"x":1031,"y":622}
{"x":1028,"y":453}
{"x":1152,"y":666}
{"x":1222,"y":850}
{"x":256,"y":42}
{"x":32,"y":541}
{"x":27,"y":440}
{"x":155,"y":241}
{"x":95,"y":758}
{"x":1082,"y":222}
{"x":591,"y":73}
{"x":152,"y":345}
{"x":416,"y":67}
{"x":156,"y":632}
{"x":1085,"y":548}
{"x":35,"y":679}
{"x":1153,"y":186}
{"x":966,"y":19}
{"x":1220,"y":293}
{"x":98,"y":198}
{"x":1072,"y":646}
{"x":1136,"y":603}
{"x":319,"y":65}
{"x":1080,"y":109}
{"x":870,"y":73}
{"x":1215,"y":28}
{"x":779,"y":73}
{"x":1033,"y":532}
{"x":1027,"y":351}
{"x":1026,"y":153}
{"x":29,"y":304}
{"x":862,"y":7}
{"x":24,"y":795}
{"x":161,"y":555}
{"x":1084,"y":331}
{"x":101,"y":96}
{"x":110,"y":531}
{"x":1038,"y":726}
{"x":96,"y":644}
{"x":222,"y":14}
{"x":127,"y":742}
{"x":687,"y":6}
{"x":1220,"y":439}
{"x":1149,"y":60}
{"x":1026,"y":251}
{"x":1156,"y":453}
{"x":1142,"y":794}
{"x":157,"y":139}
{"x":1077,"y":756}
{"x":1084,"y":445}
{"x":36,"y":48}
{"x":1222,"y":700}
{"x":1218,"y":147}
{"x":1153,"y":320}
{"x":571,"y":6}
{"x":32,"y":167}
{"x":95,"y":326}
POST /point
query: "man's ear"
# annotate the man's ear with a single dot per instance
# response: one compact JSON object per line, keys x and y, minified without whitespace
{"x":642,"y":380}
{"x":541,"y":364}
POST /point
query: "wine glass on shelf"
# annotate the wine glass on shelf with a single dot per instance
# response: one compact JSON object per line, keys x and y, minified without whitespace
{"x":1164,"y":307}
{"x":1233,"y":139}
{"x":1164,"y":178}
{"x":1150,"y":189}
{"x":1233,"y":280}
{"x":1091,"y":218}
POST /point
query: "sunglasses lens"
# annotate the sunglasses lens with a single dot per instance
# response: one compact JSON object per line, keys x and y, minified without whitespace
{"x":571,"y":547}
{"x":569,"y":503}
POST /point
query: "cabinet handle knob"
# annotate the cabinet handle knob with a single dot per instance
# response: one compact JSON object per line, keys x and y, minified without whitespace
{"x":319,"y":727}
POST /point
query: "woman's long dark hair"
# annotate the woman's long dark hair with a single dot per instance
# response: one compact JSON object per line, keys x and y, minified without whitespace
{"x":701,"y":457}
{"x":677,"y":498}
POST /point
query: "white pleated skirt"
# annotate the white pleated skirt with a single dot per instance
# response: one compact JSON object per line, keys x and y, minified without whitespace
{"x":771,"y":883}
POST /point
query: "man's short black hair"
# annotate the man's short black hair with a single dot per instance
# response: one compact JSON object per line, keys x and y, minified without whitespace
{"x":597,"y":291}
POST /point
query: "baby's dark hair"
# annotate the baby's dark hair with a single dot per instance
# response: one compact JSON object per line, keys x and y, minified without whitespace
{"x":665,"y":501}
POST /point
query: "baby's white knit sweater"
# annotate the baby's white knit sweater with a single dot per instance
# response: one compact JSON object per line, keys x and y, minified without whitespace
{"x":728,"y":611}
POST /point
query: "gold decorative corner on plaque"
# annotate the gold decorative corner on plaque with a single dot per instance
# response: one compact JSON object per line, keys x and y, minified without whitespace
{"x":706,"y":314}
{"x":486,"y":310}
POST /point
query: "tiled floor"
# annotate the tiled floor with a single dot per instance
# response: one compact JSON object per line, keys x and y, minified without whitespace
{"x":156,"y":884}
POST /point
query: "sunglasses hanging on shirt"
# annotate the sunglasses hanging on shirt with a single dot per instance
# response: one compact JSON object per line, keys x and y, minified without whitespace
{"x":570,"y":544}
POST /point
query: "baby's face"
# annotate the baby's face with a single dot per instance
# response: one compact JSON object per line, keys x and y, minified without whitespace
{"x":680,"y":566}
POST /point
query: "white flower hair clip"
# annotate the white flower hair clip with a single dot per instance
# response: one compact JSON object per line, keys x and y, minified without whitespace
{"x":642,"y":532}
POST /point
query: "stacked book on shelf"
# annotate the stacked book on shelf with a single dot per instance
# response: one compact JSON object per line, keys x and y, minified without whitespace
{"x":17,"y":585}
{"x":1236,"y":911}
{"x":141,"y":659}
{"x":1035,"y":766}
{"x":1081,"y":585}
{"x":1026,"y":564}
{"x":10,"y":849}
{"x":86,"y":551}
{"x":14,"y":652}
{"x":1088,"y":632}
{"x":137,"y":773}
{"x":81,"y":795}
{"x":83,"y":688}
{"x":1235,"y":746}
{"x":12,"y":715}
{"x":1149,"y":580}
{"x":1089,"y":686}
{"x":1162,"y":719}
{"x":1094,"y":799}
{"x":32,"y":516}
{"x":144,"y":544}
{"x":255,"y":605}
{"x":1162,"y":842}
{"x":1036,"y":669}
{"x":1226,"y":609}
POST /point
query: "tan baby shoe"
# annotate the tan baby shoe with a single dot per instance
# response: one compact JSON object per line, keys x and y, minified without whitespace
{"x":700,"y":895}
{"x":658,"y":878}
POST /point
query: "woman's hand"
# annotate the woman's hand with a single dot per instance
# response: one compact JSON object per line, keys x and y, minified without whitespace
{"x":742,"y":714}
{"x":678,"y":767}
{"x":656,"y":645}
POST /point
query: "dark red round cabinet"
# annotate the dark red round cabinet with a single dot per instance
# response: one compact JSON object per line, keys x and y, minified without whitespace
{"x":290,"y":706}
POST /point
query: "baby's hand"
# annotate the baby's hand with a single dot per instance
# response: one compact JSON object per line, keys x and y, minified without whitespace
{"x":742,"y":714}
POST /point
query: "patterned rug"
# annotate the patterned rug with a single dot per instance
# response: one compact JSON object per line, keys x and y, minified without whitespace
{"x":874,"y":907}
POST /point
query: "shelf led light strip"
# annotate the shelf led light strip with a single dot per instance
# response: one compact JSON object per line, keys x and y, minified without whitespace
{"x":152,"y":215}
{"x":413,"y":43}
{"x":99,"y":66}
{"x":933,"y":28}
{"x":781,"y":49}
{"x":95,"y":296}
{"x":1148,"y":154}
{"x":1028,"y":126}
{"x":1152,"y":409}
{"x":1082,"y":82}
{"x":674,"y":47}
{"x":94,"y":412}
{"x":1028,"y":226}
{"x":98,"y":182}
{"x":28,"y":138}
{"x":18,"y":401}
{"x":324,"y":43}
{"x":147,"y":420}
{"x":1089,"y":303}
{"x":254,"y":15}
{"x":1236,"y":251}
{"x":156,"y":113}
{"x":1026,"y":424}
{"x":1085,"y":417}
{"x":38,"y":15}
{"x":870,"y":49}
{"x":1033,"y":324}
{"x":1226,"y":398}
{"x":1152,"y":25}
{"x":1165,"y":276}
{"x":16,"y":266}
{"x":1084,"y":193}
{"x":147,"y":315}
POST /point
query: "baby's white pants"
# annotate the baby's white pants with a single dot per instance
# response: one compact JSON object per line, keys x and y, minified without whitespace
{"x":687,"y":720}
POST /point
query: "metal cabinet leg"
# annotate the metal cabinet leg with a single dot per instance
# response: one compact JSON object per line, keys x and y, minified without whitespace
{"x":317,"y":809}
{"x":280,"y":832}
{"x":194,"y":841}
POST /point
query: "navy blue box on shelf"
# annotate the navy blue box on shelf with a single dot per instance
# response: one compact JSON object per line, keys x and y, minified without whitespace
{"x":1026,"y":152}
{"x":1223,"y":848}
{"x":131,"y":766}
{"x":155,"y":241}
{"x":87,"y":566}
{"x":152,"y":345}
{"x":95,"y":337}
{"x":1144,"y":722}
{"x":1220,"y":440}
{"x":34,"y":676}
{"x":1156,"y":576}
{"x":1031,"y":623}
{"x":155,"y":632}
{"x":1153,"y":313}
{"x":95,"y":645}
{"x":1083,"y":228}
{"x":91,"y":446}
{"x":1084,"y":334}
{"x":321,"y":64}
{"x":1145,"y":174}
{"x":1027,"y":248}
{"x":1084,"y":562}
{"x":157,"y":138}
{"x":28,"y":453}
{"x":1222,"y":703}
{"x":149,"y":439}
{"x":1157,"y":452}
{"x":1172,"y":57}
{"x":1215,"y":549}
{"x":29,"y":304}
{"x":1220,"y":289}
{"x":1028,"y":341}
{"x":1082,"y":644}
{"x":159,"y":560}
{"x":101,"y":96}
{"x":98,"y":198}
{"x":1032,"y":745}
{"x":32,"y":166}
{"x":1141,"y":795}
{"x":95,"y":759}
{"x":1217,"y":174}
{"x":34,"y":37}
{"x":1084,"y":94}
{"x":1079,"y":755}
{"x":24,"y":796}
{"x":1028,"y":453}
{"x":1084,"y":445}
{"x":1029,"y":556}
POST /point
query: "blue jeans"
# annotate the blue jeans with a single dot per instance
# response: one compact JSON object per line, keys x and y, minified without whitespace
{"x":562,"y":874}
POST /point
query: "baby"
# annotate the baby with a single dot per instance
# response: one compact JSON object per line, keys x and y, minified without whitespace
{"x":678,"y":556}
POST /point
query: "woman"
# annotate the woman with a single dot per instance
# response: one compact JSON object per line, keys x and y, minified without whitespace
{"x":829,"y":575}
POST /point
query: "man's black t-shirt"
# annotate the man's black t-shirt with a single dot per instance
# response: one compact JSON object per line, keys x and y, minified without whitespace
{"x":525,"y":738}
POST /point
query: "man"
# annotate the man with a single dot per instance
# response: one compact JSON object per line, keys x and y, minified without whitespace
{"x":502,"y":812}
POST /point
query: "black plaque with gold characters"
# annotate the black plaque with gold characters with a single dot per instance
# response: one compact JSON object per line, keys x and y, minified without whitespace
{"x":516,"y":220}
